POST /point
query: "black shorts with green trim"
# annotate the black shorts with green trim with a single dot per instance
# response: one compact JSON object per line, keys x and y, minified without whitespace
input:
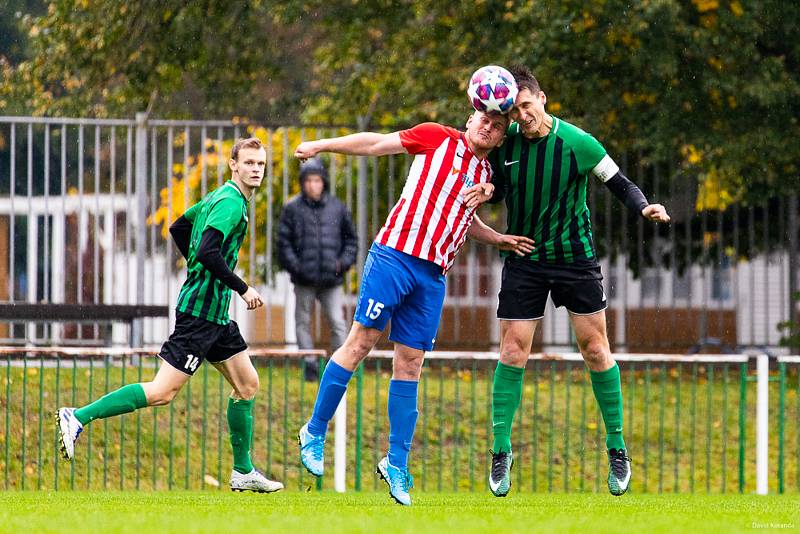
{"x":526,"y":284}
{"x":195,"y":340}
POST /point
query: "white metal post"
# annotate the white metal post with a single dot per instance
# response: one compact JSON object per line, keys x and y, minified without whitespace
{"x":762,"y":427}
{"x":340,"y":446}
{"x":140,"y":180}
{"x":33,"y":268}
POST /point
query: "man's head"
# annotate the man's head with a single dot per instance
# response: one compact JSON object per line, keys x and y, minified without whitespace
{"x":528,"y":110}
{"x":313,"y":179}
{"x":247,"y":163}
{"x":486,"y":131}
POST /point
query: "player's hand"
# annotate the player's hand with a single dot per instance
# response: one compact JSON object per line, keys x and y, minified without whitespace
{"x":518,"y":244}
{"x":656,"y":212}
{"x":307,"y":149}
{"x":252,"y":298}
{"x":478,"y":194}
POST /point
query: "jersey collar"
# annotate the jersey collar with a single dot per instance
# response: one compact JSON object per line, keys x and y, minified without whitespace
{"x":236,"y":187}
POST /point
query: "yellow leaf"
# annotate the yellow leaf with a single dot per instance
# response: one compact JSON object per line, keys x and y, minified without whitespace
{"x":705,"y":5}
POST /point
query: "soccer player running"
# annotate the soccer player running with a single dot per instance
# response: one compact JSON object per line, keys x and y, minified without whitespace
{"x":404,"y":272}
{"x":542,"y":170}
{"x":209,"y":236}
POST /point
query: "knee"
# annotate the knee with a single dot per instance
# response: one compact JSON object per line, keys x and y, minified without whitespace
{"x":358,"y":347}
{"x":513,"y":352}
{"x":596,"y":354}
{"x":407,"y":368}
{"x":161,"y":396}
{"x":249,"y":387}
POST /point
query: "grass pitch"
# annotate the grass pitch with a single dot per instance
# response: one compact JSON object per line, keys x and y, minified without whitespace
{"x":307,"y":513}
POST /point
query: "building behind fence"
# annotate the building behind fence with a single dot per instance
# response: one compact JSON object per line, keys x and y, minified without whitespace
{"x":84,"y":206}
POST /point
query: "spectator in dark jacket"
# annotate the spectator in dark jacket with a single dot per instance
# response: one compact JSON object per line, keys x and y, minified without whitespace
{"x":316,"y":245}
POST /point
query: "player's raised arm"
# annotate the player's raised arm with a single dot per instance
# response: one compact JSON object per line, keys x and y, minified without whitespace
{"x":628,"y":192}
{"x":357,"y":144}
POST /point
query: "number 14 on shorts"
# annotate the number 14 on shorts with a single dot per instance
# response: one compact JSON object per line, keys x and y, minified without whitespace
{"x":374,"y":309}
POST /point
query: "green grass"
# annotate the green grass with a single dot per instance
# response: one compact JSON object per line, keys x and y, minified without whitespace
{"x":142,"y":512}
{"x":681,"y":428}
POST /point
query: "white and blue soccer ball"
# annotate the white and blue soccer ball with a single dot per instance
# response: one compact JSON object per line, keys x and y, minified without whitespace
{"x":492,"y":88}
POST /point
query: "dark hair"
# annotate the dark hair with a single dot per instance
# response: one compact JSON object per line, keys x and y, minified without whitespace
{"x":525,"y":78}
{"x":250,"y":142}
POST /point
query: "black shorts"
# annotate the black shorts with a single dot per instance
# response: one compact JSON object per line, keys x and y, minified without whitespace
{"x":526,"y":284}
{"x":195,"y":340}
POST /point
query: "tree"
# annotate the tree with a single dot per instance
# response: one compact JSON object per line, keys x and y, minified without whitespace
{"x":712,"y":85}
{"x":181,"y":59}
{"x":709,"y":91}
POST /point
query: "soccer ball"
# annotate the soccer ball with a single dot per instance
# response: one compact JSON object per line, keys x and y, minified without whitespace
{"x":492,"y":88}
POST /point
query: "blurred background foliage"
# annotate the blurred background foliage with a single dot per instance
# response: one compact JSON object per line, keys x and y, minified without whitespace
{"x":708,"y":91}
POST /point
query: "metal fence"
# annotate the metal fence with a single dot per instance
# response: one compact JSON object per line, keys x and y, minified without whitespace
{"x":84,"y":205}
{"x":690,"y":424}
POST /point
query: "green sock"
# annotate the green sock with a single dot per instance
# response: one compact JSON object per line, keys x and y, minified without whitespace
{"x":506,"y":396}
{"x":608,"y":392}
{"x":124,"y":400}
{"x":240,"y":425}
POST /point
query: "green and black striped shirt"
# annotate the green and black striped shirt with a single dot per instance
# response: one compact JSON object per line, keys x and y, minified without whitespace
{"x":544,"y":181}
{"x":203,"y":295}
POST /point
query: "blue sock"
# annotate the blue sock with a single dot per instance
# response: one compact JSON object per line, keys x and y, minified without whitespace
{"x":402,"y":420}
{"x":331,"y":390}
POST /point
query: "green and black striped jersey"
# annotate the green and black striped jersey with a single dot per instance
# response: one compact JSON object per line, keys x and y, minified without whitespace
{"x":203,"y":295}
{"x":544,"y":181}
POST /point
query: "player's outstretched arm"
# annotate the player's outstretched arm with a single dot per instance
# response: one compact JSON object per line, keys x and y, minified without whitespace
{"x":357,"y":144}
{"x":518,"y":244}
{"x":628,"y":192}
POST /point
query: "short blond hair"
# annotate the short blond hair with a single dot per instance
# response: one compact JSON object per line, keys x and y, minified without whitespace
{"x":250,"y":142}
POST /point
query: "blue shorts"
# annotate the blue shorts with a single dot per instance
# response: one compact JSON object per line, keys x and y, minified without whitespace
{"x":408,"y":290}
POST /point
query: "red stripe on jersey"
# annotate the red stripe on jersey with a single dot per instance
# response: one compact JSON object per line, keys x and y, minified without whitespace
{"x":383,"y":235}
{"x":438,"y":190}
{"x":405,"y":225}
{"x":439,"y":235}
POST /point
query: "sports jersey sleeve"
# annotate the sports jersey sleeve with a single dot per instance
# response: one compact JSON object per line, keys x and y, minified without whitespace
{"x":425,"y":136}
{"x":588,"y":153}
{"x":192,"y":212}
{"x":224,"y":215}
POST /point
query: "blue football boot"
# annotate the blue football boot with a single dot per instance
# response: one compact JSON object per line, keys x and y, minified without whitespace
{"x":312,"y":451}
{"x":399,"y":481}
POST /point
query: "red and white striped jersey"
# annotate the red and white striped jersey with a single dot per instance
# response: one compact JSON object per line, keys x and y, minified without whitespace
{"x":430,"y":220}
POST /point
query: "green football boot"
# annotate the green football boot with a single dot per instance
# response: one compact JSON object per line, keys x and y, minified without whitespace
{"x":619,"y":471}
{"x":500,"y":474}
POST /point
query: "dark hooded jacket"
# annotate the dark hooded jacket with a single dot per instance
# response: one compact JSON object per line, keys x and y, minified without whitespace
{"x":316,"y":239}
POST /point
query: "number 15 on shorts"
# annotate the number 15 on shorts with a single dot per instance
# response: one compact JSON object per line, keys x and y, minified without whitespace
{"x":374,"y":309}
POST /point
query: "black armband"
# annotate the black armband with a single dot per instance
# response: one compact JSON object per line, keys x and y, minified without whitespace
{"x":209,"y":255}
{"x":627,"y":192}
